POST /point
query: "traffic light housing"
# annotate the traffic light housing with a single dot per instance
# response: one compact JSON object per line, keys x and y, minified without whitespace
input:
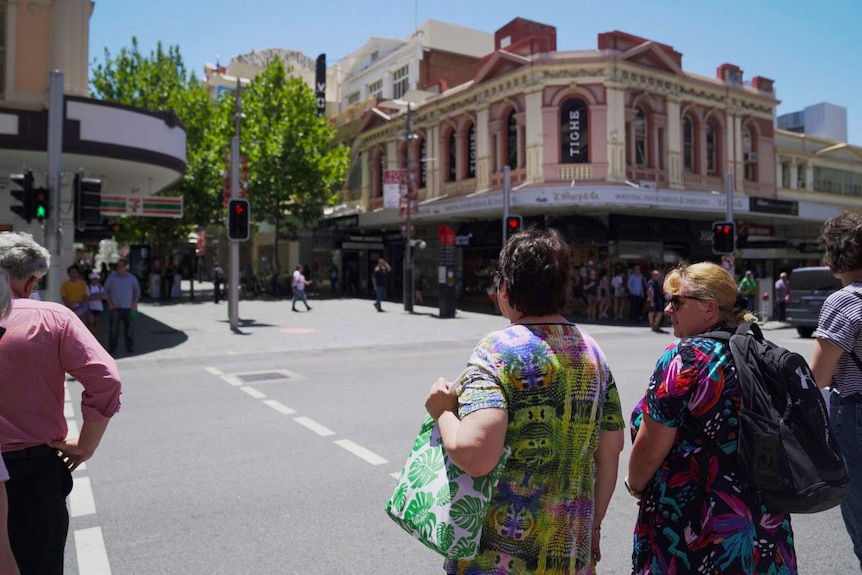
{"x":88,"y":201}
{"x":238,"y":220}
{"x":513,"y":225}
{"x":26,"y":210}
{"x":40,"y":203}
{"x":723,"y":237}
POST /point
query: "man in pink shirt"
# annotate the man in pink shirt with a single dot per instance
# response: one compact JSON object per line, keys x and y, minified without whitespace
{"x":43,"y":342}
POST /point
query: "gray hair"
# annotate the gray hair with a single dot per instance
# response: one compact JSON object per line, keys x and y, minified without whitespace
{"x":5,"y":295}
{"x":22,"y":257}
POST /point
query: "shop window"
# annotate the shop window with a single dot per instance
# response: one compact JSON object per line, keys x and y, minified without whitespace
{"x":512,"y":141}
{"x":471,"y":151}
{"x":640,"y":137}
{"x":574,"y":132}
{"x":452,"y":173}
{"x":687,"y":144}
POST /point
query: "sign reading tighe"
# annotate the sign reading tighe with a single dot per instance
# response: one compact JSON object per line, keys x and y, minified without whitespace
{"x":575,"y":133}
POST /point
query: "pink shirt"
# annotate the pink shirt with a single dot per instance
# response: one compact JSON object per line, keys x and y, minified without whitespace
{"x":43,"y":342}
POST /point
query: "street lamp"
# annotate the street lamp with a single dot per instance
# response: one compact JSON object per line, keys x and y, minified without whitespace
{"x":408,"y":242}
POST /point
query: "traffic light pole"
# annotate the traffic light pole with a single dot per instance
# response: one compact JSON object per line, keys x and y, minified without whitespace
{"x":408,"y":243}
{"x":728,"y":194}
{"x":507,"y":190}
{"x":52,"y":225}
{"x":233,"y":266}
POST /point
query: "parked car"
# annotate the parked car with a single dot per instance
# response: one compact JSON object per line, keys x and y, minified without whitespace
{"x":809,"y":288}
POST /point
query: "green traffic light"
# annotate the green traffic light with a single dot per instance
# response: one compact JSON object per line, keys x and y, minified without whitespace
{"x":41,"y":212}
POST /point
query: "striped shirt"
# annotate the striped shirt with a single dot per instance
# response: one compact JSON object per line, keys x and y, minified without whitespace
{"x":841,"y":324}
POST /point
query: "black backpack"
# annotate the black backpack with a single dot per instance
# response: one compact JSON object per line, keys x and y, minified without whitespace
{"x":787,"y":453}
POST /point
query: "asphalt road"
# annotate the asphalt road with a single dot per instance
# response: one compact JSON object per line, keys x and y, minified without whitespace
{"x":272,"y":451}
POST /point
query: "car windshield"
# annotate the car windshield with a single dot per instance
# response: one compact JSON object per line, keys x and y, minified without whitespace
{"x":814,"y":280}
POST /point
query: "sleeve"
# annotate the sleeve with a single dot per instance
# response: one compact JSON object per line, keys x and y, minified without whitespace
{"x":480,"y":384}
{"x":87,"y":361}
{"x":671,"y":385}
{"x":835,"y":324}
{"x":612,"y":413}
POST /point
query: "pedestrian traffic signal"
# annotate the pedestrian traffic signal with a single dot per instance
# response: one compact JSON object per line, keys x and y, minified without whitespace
{"x":238,"y":220}
{"x":513,"y":225}
{"x":88,"y":201}
{"x":723,"y":237}
{"x":25,"y":195}
{"x":40,"y":203}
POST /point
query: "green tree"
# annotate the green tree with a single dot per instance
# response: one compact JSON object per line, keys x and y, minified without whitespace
{"x":295,"y":168}
{"x":159,"y":82}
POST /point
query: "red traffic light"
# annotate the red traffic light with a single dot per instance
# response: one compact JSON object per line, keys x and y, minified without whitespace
{"x":239,"y":209}
{"x":513,"y":224}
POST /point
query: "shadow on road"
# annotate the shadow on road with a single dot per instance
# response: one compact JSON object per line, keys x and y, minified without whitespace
{"x":150,"y":335}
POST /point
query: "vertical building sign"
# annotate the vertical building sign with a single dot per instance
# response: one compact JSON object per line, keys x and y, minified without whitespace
{"x":574,"y":132}
{"x":320,"y":84}
{"x":471,"y":147}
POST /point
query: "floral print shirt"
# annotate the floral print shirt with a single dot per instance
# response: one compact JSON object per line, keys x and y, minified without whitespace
{"x":695,"y":516}
{"x":560,"y":395}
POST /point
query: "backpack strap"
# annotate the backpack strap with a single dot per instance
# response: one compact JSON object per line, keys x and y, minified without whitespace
{"x":853,"y":355}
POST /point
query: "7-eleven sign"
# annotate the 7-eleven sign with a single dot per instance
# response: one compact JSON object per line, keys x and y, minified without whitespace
{"x":145,"y":206}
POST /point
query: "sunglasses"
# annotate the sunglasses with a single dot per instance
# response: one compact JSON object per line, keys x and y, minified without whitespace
{"x":676,"y":301}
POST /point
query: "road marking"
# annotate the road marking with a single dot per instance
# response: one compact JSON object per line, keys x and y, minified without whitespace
{"x":279,"y":407}
{"x":72,"y":426}
{"x":314,"y":426}
{"x":90,"y":549}
{"x":215,"y":371}
{"x":361,"y":452}
{"x":232,"y":380}
{"x":66,"y":395}
{"x":253,"y":392}
{"x":396,"y":475}
{"x":81,"y":500}
{"x":68,"y":410}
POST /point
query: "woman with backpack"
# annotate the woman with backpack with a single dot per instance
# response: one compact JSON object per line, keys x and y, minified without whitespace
{"x":695,"y":515}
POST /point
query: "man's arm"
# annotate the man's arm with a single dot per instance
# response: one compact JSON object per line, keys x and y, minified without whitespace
{"x":78,"y":450}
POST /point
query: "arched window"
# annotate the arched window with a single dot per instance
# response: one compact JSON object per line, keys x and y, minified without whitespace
{"x":512,"y":141}
{"x":711,"y":150}
{"x":640,"y":137}
{"x":574,"y":132}
{"x":749,"y":155}
{"x":452,"y":174}
{"x":471,"y":151}
{"x":423,"y":163}
{"x":381,"y":167}
{"x":687,"y":144}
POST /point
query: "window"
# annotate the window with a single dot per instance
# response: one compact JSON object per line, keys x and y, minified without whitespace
{"x":452,"y":175}
{"x":423,"y":163}
{"x":640,"y":139}
{"x":353,"y":98}
{"x":471,"y":151}
{"x":512,"y":141}
{"x":400,"y":82}
{"x":833,"y":181}
{"x":381,"y":168}
{"x":574,"y":132}
{"x":687,"y":144}
{"x":711,"y":150}
{"x":354,"y":179}
{"x":375,"y":89}
{"x":749,"y":156}
{"x":660,"y":147}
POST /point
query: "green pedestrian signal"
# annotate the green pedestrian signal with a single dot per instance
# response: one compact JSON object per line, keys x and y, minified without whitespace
{"x":40,"y":204}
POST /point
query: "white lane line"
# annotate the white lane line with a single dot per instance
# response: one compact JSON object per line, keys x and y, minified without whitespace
{"x":68,"y":410}
{"x":90,"y":549}
{"x":314,"y":426}
{"x":66,"y":395}
{"x":253,"y":392}
{"x":73,"y":432}
{"x":361,"y":452}
{"x":232,"y":380}
{"x":81,"y":501}
{"x":279,"y":407}
{"x":215,"y":371}
{"x":396,"y":475}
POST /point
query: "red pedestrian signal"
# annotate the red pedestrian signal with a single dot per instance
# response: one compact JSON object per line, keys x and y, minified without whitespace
{"x":238,"y":220}
{"x":723,"y":237}
{"x":513,"y":225}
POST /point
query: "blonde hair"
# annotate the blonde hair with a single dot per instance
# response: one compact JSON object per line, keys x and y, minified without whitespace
{"x":708,"y":281}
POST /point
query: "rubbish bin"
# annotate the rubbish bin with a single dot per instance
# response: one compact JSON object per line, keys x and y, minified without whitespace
{"x":447,"y":300}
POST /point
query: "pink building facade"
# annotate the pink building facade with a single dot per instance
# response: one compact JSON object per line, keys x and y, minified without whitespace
{"x":617,"y":146}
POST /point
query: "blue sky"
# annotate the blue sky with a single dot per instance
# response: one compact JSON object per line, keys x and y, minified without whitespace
{"x":811,"y":49}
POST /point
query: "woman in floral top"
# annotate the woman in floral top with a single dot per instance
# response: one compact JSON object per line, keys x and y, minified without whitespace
{"x":542,"y":387}
{"x":695,"y":516}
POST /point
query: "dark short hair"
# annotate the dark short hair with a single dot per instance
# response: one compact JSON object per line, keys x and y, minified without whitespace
{"x":841,"y":242}
{"x":536,"y":266}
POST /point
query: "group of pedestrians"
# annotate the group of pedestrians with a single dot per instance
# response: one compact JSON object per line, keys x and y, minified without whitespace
{"x":543,"y":386}
{"x":41,"y":343}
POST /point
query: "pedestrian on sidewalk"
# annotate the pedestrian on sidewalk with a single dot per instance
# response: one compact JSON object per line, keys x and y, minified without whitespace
{"x":218,"y":281}
{"x":748,"y":289}
{"x":836,"y":357}
{"x":95,"y":299}
{"x":378,"y":280}
{"x":298,"y":284}
{"x":518,"y":390}
{"x":74,"y":292}
{"x":122,"y":292}
{"x":44,"y":341}
{"x":655,"y":302}
{"x":636,"y":288}
{"x":782,"y":295}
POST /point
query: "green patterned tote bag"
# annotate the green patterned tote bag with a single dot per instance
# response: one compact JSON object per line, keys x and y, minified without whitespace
{"x":437,"y":502}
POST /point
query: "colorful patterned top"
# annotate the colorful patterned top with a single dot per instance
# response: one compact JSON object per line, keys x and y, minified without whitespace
{"x":560,"y":394}
{"x":694,"y":516}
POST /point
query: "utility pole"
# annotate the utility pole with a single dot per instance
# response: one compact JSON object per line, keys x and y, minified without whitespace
{"x":408,"y":244}
{"x":507,"y":192}
{"x":728,"y":194}
{"x":233,"y":268}
{"x":53,"y":238}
